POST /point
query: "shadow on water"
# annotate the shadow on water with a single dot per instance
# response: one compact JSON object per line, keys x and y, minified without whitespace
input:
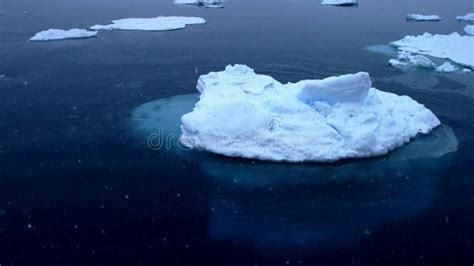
{"x":306,"y":206}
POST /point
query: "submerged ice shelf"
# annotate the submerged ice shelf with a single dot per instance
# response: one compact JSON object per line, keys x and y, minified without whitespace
{"x":418,"y":17}
{"x":160,"y":23}
{"x":55,"y":34}
{"x":243,"y":114}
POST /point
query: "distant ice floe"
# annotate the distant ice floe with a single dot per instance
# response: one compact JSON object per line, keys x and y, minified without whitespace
{"x":243,"y":114}
{"x":203,"y":3}
{"x":418,"y":17}
{"x":55,"y":34}
{"x":454,"y":47}
{"x":467,"y":17}
{"x":160,"y":23}
{"x":469,"y":29}
{"x":340,"y":2}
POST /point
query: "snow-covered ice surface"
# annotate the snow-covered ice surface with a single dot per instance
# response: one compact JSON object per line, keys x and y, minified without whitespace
{"x":467,"y":17}
{"x":55,"y":34}
{"x":418,"y":17}
{"x":160,"y":23}
{"x":447,"y":67}
{"x":469,"y":29}
{"x":203,"y":3}
{"x":243,"y":114}
{"x":457,"y":48}
{"x":340,"y":2}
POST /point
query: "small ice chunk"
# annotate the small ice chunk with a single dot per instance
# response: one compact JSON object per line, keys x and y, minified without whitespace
{"x":455,"y":47}
{"x":345,"y":88}
{"x":203,"y":3}
{"x":396,"y":63}
{"x":447,"y":67}
{"x":467,"y":17}
{"x":55,"y":34}
{"x":466,"y":70}
{"x":244,"y":114}
{"x":418,"y":17}
{"x":151,"y":24}
{"x":2,"y":76}
{"x":340,"y":2}
{"x":469,"y":29}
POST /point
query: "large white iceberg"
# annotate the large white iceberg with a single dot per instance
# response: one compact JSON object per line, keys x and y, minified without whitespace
{"x":340,"y":2}
{"x":418,"y":17}
{"x":243,"y":114}
{"x":55,"y":34}
{"x":469,"y":29}
{"x":204,"y":3}
{"x":457,"y":48}
{"x":467,"y":17}
{"x":160,"y":23}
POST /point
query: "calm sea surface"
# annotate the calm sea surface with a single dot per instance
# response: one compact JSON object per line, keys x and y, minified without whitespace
{"x":79,"y":187}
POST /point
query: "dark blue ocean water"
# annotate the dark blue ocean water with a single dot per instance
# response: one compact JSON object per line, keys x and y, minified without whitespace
{"x":79,"y":187}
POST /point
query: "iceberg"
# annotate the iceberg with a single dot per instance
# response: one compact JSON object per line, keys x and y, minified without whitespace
{"x":160,"y":23}
{"x":447,"y":68}
{"x":454,"y":47}
{"x":203,"y":3}
{"x":418,"y":17}
{"x":469,"y":29}
{"x":467,"y":17}
{"x":340,"y":2}
{"x":244,"y":114}
{"x":55,"y":34}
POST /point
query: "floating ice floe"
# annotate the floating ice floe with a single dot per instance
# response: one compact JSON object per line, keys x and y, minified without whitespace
{"x":405,"y":58}
{"x":469,"y":29}
{"x":55,"y":34}
{"x":203,"y":3}
{"x":418,"y":17}
{"x":242,"y":114}
{"x":151,"y":24}
{"x":447,"y":67}
{"x":467,"y":17}
{"x":455,"y":47}
{"x":340,"y":2}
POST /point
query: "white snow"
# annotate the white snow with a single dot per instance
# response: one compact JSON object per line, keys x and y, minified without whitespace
{"x":340,"y":2}
{"x":418,"y":17}
{"x":469,"y":29}
{"x":447,"y":67}
{"x":205,"y":3}
{"x":55,"y":34}
{"x":455,"y":47}
{"x":151,"y":24}
{"x":243,"y":114}
{"x":466,"y":70}
{"x":467,"y":17}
